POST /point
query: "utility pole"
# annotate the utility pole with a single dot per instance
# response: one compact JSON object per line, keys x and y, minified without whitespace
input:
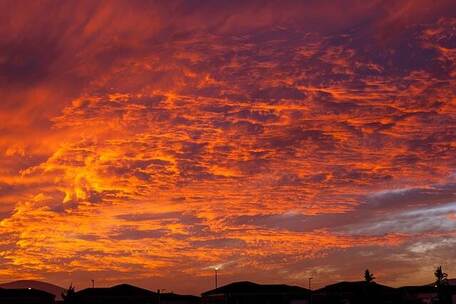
{"x":93,"y":283}
{"x":310,"y":290}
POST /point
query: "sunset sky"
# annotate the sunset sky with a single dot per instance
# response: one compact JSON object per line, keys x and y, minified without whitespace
{"x":148,"y":142}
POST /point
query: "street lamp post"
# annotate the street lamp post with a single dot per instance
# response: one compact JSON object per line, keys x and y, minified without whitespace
{"x":310,"y":290}
{"x":216,"y":276}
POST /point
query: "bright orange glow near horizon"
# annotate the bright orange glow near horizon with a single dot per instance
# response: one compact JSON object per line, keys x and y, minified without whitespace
{"x":150,"y":142}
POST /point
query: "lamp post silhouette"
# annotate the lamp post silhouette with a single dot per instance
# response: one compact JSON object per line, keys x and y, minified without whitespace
{"x":159,"y":292}
{"x":310,"y":290}
{"x":216,"y":276}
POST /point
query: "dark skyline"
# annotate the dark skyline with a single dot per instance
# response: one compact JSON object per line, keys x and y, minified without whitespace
{"x":150,"y":142}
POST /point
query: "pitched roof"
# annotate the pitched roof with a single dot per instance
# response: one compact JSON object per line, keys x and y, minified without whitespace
{"x":247,"y":287}
{"x":118,"y":290}
{"x":48,"y":287}
{"x":356,"y":287}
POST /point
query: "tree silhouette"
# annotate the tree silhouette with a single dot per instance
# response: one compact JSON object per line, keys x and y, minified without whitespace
{"x":69,"y":295}
{"x":441,"y":282}
{"x":441,"y":277}
{"x":368,"y":277}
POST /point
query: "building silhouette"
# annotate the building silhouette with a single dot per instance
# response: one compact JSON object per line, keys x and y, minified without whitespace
{"x":172,"y":298}
{"x":252,"y":293}
{"x":360,"y":292}
{"x":25,"y":296}
{"x":129,"y":294}
{"x":119,"y":294}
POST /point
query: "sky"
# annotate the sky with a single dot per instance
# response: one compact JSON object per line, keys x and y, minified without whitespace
{"x":149,"y":142}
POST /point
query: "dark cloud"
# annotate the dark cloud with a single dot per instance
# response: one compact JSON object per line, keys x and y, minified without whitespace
{"x":410,"y":198}
{"x":131,"y":233}
{"x":220,"y":243}
{"x":402,"y":210}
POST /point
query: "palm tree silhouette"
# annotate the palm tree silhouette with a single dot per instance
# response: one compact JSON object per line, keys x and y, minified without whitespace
{"x":69,"y":295}
{"x":368,"y":276}
{"x":441,"y":283}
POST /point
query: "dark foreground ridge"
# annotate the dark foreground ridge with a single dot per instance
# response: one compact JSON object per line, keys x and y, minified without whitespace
{"x":245,"y":292}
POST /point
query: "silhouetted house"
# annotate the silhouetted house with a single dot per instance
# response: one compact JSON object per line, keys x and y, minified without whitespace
{"x":172,"y":298}
{"x":356,"y":293}
{"x":25,"y":296}
{"x":119,"y":294}
{"x":427,"y":294}
{"x":452,"y":283}
{"x":252,"y":293}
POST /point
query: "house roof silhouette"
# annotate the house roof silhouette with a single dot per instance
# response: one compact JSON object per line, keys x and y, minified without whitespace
{"x":118,"y":290}
{"x":246,"y":287}
{"x":25,"y":292}
{"x":129,"y":294}
{"x":45,"y":286}
{"x":355,"y":287}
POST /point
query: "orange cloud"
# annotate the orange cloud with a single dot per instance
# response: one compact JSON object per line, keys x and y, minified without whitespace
{"x":139,"y":139}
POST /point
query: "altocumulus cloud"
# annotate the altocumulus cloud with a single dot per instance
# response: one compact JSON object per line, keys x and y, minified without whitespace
{"x":142,"y":138}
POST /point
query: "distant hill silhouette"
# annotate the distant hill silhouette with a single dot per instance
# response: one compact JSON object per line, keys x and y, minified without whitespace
{"x":48,"y":287}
